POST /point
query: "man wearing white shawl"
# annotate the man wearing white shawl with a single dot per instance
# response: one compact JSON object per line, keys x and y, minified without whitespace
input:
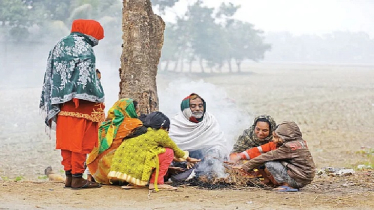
{"x":197,"y":131}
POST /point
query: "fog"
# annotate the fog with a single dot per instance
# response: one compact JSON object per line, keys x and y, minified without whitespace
{"x":23,"y":63}
{"x":298,"y":16}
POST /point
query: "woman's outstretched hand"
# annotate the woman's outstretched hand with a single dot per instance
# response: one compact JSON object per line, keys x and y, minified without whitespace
{"x":193,"y":160}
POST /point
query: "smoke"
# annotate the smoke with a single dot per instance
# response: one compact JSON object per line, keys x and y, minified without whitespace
{"x":219,"y":103}
{"x":172,"y":90}
{"x":23,"y":66}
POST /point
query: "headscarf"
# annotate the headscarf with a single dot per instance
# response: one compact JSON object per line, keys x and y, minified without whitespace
{"x":186,"y":110}
{"x":70,"y":70}
{"x":123,"y":108}
{"x":288,"y":131}
{"x":91,"y":28}
{"x":156,"y":120}
{"x":249,"y":139}
{"x":272,"y":126}
{"x":202,"y":134}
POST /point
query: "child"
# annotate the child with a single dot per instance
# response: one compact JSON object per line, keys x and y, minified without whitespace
{"x":289,"y":166}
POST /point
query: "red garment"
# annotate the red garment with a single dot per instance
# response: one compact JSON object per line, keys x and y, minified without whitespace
{"x":73,"y":161}
{"x":76,"y":133}
{"x":165,"y":160}
{"x":88,"y":27}
{"x":256,"y":151}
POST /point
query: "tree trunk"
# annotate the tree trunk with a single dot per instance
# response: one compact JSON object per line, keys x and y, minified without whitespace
{"x":201,"y":65}
{"x":182,"y":65}
{"x":238,"y":62}
{"x":176,"y":65}
{"x":182,"y":61}
{"x":230,"y":68}
{"x":166,"y":68}
{"x":143,"y":37}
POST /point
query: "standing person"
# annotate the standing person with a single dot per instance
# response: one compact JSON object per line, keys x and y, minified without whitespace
{"x":289,"y":166}
{"x":146,"y":158}
{"x":261,"y":132}
{"x":72,"y":97}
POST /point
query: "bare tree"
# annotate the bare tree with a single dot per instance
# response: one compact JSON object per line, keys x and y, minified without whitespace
{"x":143,"y":37}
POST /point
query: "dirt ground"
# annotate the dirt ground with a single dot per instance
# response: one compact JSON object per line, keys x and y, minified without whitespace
{"x":333,"y":105}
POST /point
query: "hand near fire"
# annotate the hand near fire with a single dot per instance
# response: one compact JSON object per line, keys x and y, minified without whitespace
{"x":240,"y":170}
{"x":238,"y":167}
{"x":234,"y":157}
{"x":175,"y":170}
{"x":191,"y":162}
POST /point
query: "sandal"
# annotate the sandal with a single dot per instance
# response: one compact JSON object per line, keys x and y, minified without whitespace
{"x":163,"y":187}
{"x":86,"y":184}
{"x":129,"y":187}
{"x":285,"y":189}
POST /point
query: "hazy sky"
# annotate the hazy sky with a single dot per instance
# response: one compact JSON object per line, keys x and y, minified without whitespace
{"x":300,"y":16}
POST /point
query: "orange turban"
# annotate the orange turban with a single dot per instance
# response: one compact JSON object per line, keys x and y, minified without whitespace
{"x":88,"y":27}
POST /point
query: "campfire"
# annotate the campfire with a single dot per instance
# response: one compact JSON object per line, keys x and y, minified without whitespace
{"x":234,"y":179}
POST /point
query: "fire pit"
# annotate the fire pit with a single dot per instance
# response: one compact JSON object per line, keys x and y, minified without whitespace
{"x":234,"y":179}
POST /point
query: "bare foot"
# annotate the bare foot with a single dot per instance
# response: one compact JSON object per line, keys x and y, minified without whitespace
{"x":127,"y":187}
{"x":165,"y":187}
{"x":90,"y":178}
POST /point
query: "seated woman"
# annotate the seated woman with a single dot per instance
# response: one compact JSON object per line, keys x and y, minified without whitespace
{"x":146,"y":158}
{"x":290,"y":165}
{"x":120,"y":123}
{"x":261,"y":132}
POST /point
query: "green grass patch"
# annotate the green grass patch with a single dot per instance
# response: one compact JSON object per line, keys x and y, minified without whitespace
{"x":5,"y":178}
{"x":368,"y":155}
{"x":19,"y":178}
{"x":44,"y":177}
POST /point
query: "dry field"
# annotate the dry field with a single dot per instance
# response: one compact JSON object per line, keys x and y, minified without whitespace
{"x":334,"y":106}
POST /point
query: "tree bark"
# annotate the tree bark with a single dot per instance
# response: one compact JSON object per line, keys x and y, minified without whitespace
{"x":143,"y":37}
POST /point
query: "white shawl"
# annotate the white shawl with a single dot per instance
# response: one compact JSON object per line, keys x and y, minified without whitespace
{"x":205,"y":135}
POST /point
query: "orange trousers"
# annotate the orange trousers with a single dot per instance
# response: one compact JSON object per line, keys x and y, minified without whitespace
{"x":75,"y":137}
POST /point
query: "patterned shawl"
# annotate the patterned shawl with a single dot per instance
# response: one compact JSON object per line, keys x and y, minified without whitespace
{"x":249,"y":139}
{"x":70,"y":74}
{"x":121,"y":114}
{"x":123,"y":108}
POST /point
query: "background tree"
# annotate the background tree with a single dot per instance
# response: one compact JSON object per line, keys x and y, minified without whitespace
{"x":213,"y":37}
{"x":170,"y":48}
{"x":202,"y":33}
{"x":163,"y":4}
{"x":246,"y":43}
{"x":16,"y":17}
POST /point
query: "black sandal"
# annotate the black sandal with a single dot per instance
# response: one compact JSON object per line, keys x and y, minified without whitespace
{"x":87,"y":185}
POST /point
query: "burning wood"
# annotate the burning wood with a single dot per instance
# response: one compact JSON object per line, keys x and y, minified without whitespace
{"x":234,"y":179}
